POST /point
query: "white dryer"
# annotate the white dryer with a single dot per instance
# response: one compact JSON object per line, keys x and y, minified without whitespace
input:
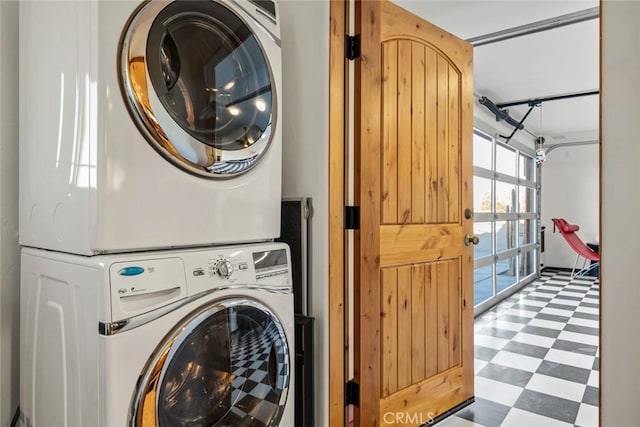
{"x":150,"y":124}
{"x":164,"y":339}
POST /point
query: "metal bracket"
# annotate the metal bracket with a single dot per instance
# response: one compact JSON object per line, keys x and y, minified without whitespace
{"x":352,"y":47}
{"x":352,"y":217}
{"x":352,"y":393}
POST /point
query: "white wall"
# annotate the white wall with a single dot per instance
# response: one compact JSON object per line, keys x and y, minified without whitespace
{"x":620,"y":244}
{"x":9,"y":251}
{"x":305,"y":57}
{"x":570,"y":190}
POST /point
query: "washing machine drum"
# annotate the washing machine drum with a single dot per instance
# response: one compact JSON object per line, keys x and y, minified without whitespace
{"x":199,"y":86}
{"x":224,"y":365}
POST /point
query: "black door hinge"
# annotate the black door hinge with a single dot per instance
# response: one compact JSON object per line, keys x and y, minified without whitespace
{"x":352,"y":46}
{"x":352,"y":393}
{"x":352,"y":217}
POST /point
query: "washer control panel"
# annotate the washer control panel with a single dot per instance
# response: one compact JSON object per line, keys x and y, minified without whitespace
{"x":265,"y":264}
{"x":140,"y":282}
{"x":224,"y":268}
{"x":220,"y":266}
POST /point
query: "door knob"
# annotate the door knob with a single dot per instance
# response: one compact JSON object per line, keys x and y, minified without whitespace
{"x":470,"y":239}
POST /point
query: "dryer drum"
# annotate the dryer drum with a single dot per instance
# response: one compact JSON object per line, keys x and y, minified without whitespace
{"x":228,"y":365}
{"x":199,"y":86}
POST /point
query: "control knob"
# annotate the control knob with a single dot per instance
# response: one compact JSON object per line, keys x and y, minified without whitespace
{"x":224,"y":268}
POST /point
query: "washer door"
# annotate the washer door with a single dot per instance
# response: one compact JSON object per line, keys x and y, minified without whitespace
{"x":198,"y":85}
{"x":225,"y":365}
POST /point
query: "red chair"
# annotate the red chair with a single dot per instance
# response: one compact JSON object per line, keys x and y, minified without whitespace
{"x":568,"y":231}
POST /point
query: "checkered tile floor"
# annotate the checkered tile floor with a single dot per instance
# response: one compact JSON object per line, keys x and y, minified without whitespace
{"x":537,"y":357}
{"x":260,"y":365}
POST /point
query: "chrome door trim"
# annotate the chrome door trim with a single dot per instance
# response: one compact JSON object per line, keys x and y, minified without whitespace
{"x":154,"y":370}
{"x":112,"y":328}
{"x":156,"y":124}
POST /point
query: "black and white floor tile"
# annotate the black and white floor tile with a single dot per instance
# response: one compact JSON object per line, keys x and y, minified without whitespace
{"x":537,"y":357}
{"x":260,"y":366}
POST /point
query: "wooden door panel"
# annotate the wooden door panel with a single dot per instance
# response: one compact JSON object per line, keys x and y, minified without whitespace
{"x":422,"y":402}
{"x":401,"y":244}
{"x":442,"y":141}
{"x":404,"y":319}
{"x":431,"y":319}
{"x":418,"y":137}
{"x":442,"y":351}
{"x":389,"y":307}
{"x":421,"y":321}
{"x":418,"y":329}
{"x":390,"y":134}
{"x":421,"y":135}
{"x":431,"y":134}
{"x":404,"y":154}
{"x":456,"y":305}
{"x":414,"y":291}
{"x":452,"y":173}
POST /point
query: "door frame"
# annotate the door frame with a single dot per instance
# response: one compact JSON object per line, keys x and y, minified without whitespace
{"x":338,"y":127}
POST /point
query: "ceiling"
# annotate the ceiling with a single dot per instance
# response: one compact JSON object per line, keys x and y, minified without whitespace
{"x":559,"y":61}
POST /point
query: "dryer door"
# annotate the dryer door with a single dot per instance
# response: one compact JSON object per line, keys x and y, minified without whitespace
{"x":226,"y":364}
{"x":199,"y":86}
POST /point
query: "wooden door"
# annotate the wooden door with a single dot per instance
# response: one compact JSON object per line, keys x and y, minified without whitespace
{"x":414,"y":293}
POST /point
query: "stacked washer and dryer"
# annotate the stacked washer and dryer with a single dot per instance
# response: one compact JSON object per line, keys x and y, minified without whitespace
{"x":152,"y":293}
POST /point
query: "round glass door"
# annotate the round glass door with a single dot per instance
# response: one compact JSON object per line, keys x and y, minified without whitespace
{"x":226,"y":365}
{"x":198,"y":85}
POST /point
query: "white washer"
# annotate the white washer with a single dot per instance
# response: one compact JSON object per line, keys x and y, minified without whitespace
{"x":162,"y":339}
{"x":149,"y":125}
